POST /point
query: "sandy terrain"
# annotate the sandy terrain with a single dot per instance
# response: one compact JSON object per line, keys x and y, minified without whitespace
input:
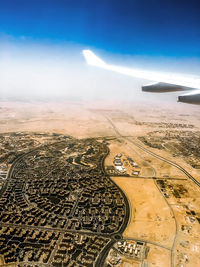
{"x":126,"y":262}
{"x":187,"y":243}
{"x":151,"y":218}
{"x":166,"y":168}
{"x":66,"y":118}
{"x":87,"y":118}
{"x":158,"y":257}
{"x":150,"y":166}
{"x":1,"y":260}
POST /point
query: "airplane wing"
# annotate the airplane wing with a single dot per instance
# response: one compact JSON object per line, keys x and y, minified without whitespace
{"x":163,"y":81}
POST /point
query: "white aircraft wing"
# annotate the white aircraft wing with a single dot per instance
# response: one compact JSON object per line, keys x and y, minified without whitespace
{"x":163,"y":81}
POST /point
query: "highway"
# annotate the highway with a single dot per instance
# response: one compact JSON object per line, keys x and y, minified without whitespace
{"x":167,"y":161}
{"x":103,"y":254}
{"x":154,"y":155}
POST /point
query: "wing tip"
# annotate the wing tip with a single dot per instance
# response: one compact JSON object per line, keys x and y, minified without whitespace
{"x":92,"y":59}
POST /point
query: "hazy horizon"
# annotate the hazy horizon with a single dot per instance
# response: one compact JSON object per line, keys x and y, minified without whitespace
{"x":47,"y":71}
{"x":41,"y":47}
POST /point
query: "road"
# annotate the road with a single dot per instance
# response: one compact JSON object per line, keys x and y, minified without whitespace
{"x":102,"y":256}
{"x":104,"y":252}
{"x":153,"y":154}
{"x":112,"y":236}
{"x":167,"y":161}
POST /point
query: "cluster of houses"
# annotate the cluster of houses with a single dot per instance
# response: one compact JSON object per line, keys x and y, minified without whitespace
{"x":118,"y":163}
{"x":119,"y":166}
{"x":130,"y":248}
{"x":3,"y":174}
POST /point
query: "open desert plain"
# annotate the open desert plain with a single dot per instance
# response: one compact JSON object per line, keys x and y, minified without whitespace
{"x":96,"y":183}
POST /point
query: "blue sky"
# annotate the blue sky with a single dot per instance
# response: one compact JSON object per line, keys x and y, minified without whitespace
{"x":41,"y":43}
{"x":135,"y":27}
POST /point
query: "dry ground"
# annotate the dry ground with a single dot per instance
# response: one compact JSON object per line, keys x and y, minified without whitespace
{"x":158,"y":257}
{"x":189,"y":201}
{"x":151,"y":218}
{"x":126,"y":262}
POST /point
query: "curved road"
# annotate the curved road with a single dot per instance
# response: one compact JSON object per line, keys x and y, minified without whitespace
{"x":167,"y":161}
{"x":102,"y":256}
